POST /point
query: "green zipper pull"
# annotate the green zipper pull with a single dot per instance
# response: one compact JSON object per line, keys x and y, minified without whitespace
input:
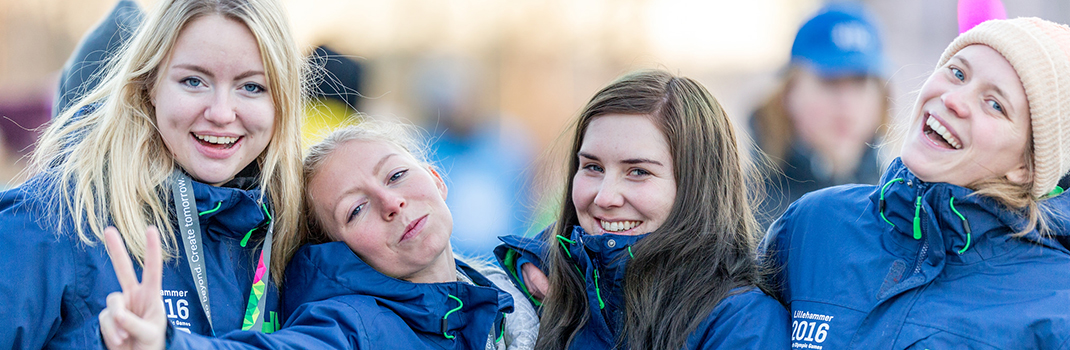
{"x":917,"y":219}
{"x":445,"y":323}
{"x":965,"y":226}
{"x":561,"y":239}
{"x":598,"y":291}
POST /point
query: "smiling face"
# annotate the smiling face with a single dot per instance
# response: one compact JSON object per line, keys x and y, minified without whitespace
{"x":625,"y":182}
{"x":972,"y":122}
{"x":213,"y":109}
{"x":390,"y":210}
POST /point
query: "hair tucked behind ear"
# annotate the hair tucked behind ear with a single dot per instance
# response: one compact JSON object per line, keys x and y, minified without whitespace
{"x":705,"y":249}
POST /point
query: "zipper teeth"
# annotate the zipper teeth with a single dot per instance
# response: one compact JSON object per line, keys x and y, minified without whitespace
{"x":921,"y":256}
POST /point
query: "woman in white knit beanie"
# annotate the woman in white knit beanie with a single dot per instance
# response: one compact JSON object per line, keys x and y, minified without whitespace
{"x":964,"y":243}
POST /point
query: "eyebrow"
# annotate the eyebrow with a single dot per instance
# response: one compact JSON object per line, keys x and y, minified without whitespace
{"x":379,"y":165}
{"x":965,"y":62}
{"x":205,"y":71}
{"x":625,"y":161}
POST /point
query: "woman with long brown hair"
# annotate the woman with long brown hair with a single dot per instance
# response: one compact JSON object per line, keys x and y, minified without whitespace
{"x":654,"y":244}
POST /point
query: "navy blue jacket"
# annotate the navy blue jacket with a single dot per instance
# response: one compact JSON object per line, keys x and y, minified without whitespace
{"x":53,"y":285}
{"x":937,"y":268}
{"x":747,"y":319}
{"x":336,"y":301}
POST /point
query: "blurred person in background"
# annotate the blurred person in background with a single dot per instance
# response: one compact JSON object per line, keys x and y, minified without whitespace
{"x":83,"y":69}
{"x":818,"y":127}
{"x":483,"y":157}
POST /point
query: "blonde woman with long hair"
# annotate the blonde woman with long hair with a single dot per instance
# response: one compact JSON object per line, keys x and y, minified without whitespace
{"x":194,"y":130}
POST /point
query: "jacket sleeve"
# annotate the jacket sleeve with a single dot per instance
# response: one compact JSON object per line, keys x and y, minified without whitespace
{"x":320,"y":325}
{"x":37,"y":290}
{"x":750,"y":320}
{"x":515,"y":251}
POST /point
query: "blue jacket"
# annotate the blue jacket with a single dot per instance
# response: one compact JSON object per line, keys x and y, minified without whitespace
{"x":937,"y":268}
{"x":747,"y":319}
{"x":54,"y":285}
{"x":336,"y":301}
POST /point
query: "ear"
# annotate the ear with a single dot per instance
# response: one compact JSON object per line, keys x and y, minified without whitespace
{"x":1019,"y":175}
{"x":438,"y":181}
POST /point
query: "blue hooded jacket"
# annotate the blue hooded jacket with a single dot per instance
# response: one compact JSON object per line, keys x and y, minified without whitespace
{"x":746,"y":319}
{"x":54,"y":285}
{"x":334,"y":300}
{"x":915,"y":265}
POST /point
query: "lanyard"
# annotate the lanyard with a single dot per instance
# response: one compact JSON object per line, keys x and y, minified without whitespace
{"x":190,"y":230}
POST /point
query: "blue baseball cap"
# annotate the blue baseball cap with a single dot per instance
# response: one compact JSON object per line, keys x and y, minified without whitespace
{"x":840,"y":40}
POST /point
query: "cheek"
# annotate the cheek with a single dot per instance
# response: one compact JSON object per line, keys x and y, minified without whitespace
{"x":584,"y":189}
{"x":365,"y":244}
{"x":664,"y":199}
{"x":176,"y":112}
{"x":259,"y":116}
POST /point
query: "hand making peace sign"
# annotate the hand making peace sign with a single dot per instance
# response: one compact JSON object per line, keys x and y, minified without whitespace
{"x":134,"y":319}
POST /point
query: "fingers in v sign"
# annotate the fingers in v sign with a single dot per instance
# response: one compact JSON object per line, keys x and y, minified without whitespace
{"x":134,"y":319}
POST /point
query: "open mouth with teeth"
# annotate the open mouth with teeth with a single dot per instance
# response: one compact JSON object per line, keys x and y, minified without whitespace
{"x":618,"y":226}
{"x":224,"y":142}
{"x":936,"y":132}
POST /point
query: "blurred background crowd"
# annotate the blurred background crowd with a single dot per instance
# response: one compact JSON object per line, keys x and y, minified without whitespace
{"x":494,"y":83}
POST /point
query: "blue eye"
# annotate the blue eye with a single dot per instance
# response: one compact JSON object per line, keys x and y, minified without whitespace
{"x":958,"y":74}
{"x":192,"y":82}
{"x":253,"y":88}
{"x":356,"y":211}
{"x":398,"y":175}
{"x":638,"y":172}
{"x":995,"y":105}
{"x":593,"y":167}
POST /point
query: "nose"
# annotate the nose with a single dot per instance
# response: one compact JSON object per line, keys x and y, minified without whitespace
{"x":609,"y":194}
{"x":956,"y":101}
{"x":392,"y":205}
{"x":222,"y":109}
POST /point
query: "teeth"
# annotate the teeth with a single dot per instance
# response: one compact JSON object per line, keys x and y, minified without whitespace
{"x":219,"y":140}
{"x":618,"y":226}
{"x":943,"y":132}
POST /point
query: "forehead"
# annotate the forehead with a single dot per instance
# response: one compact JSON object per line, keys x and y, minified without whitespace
{"x":219,"y":39}
{"x":627,"y":135}
{"x":355,"y":159}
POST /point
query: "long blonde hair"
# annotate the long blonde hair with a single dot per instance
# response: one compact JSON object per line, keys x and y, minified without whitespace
{"x":109,"y":163}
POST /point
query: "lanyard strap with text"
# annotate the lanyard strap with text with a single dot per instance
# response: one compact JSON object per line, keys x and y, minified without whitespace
{"x":189,"y":226}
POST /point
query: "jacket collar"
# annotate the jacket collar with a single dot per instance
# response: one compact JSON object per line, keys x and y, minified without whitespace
{"x":227,"y":211}
{"x":966,"y":227}
{"x":608,"y":252}
{"x":323,"y":271}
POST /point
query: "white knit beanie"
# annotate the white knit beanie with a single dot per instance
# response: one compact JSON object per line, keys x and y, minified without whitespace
{"x":1039,"y":51}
